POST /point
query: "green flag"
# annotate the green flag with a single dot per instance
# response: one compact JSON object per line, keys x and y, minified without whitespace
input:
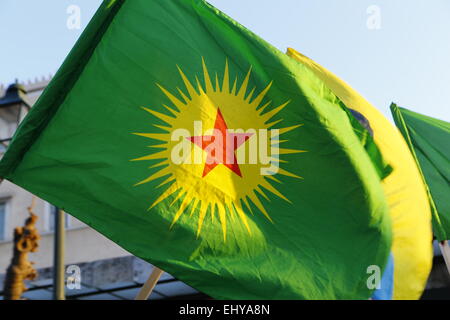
{"x":429,"y":141}
{"x":195,"y":145}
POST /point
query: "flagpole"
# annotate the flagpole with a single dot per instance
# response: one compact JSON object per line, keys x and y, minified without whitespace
{"x":150,"y":284}
{"x":445,"y":250}
{"x":58,"y":264}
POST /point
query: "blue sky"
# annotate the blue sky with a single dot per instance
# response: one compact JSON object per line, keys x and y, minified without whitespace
{"x":406,"y":61}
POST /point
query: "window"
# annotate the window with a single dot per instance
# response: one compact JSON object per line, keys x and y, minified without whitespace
{"x":52,"y":211}
{"x":2,"y":221}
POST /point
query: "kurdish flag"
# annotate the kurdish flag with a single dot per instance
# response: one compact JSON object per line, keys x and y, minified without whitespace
{"x":429,"y":141}
{"x":405,"y":192}
{"x":197,"y":146}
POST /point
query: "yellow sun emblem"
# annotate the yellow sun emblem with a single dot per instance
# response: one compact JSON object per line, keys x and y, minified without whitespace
{"x":218,"y":149}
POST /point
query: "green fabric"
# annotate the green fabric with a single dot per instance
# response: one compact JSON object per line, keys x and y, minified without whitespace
{"x":74,"y":150}
{"x":429,"y":140}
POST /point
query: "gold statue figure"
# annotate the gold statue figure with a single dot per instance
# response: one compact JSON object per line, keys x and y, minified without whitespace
{"x":26,"y":240}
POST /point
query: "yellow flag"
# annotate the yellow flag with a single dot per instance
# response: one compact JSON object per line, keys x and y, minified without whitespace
{"x":409,"y":207}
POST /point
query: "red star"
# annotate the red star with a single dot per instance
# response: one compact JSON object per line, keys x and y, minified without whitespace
{"x":221,"y":146}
